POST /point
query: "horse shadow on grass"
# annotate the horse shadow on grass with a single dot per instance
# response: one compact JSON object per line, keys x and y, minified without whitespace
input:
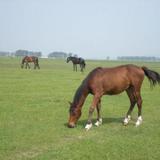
{"x":105,"y":121}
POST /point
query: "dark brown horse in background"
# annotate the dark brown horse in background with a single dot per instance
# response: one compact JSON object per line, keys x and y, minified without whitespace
{"x":111,"y":81}
{"x":75,"y":61}
{"x":30,"y":59}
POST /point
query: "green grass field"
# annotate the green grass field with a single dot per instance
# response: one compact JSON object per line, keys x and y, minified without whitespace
{"x":34,"y":112}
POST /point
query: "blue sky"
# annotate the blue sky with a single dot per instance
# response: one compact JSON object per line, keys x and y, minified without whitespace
{"x":89,"y":28}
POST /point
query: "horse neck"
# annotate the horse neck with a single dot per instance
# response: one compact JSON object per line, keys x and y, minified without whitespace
{"x":80,"y":97}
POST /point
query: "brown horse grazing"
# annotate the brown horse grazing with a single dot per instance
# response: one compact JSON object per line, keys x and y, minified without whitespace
{"x":111,"y":81}
{"x":30,"y":59}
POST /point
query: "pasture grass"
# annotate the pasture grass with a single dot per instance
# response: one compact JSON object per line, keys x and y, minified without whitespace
{"x":34,"y":112}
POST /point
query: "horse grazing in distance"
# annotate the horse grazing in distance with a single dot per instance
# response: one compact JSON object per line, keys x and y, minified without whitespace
{"x":111,"y":81}
{"x":75,"y":61}
{"x":30,"y":59}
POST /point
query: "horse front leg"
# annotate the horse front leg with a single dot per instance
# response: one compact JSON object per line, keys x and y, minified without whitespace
{"x":131,"y":95}
{"x":99,"y":118}
{"x":139,"y":105}
{"x":82,"y":69}
{"x":95,"y":101}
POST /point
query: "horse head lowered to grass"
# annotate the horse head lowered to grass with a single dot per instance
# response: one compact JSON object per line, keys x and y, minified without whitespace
{"x":111,"y":81}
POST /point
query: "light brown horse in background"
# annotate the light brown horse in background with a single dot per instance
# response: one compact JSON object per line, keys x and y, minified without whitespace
{"x":111,"y":81}
{"x":30,"y":59}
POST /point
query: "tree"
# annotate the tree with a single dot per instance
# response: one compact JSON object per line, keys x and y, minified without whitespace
{"x":57,"y":55}
{"x":4,"y":53}
{"x":23,"y":53}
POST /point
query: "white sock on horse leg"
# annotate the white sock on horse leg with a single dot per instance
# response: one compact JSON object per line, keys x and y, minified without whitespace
{"x":127,"y":119}
{"x":99,"y":122}
{"x":88,"y":126}
{"x":139,"y":121}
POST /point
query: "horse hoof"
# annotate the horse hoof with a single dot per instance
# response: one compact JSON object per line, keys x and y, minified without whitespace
{"x":99,"y":122}
{"x":126,"y":120}
{"x":88,"y":126}
{"x":139,"y":121}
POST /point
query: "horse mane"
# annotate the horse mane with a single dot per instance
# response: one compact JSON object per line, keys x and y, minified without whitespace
{"x":82,"y":90}
{"x":93,"y":72}
{"x":78,"y":95}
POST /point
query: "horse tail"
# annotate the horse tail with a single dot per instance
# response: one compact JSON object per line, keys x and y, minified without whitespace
{"x":153,"y":77}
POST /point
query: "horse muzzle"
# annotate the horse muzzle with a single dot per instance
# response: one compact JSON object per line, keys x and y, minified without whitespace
{"x":71,"y":125}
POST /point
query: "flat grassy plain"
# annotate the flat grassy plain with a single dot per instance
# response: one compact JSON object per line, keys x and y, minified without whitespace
{"x":34,"y":112}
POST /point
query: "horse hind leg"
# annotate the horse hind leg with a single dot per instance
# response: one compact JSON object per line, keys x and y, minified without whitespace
{"x":139,"y":105}
{"x":99,"y":119}
{"x":36,"y":65}
{"x":135,"y":97}
{"x":81,"y":68}
{"x":130,"y":93}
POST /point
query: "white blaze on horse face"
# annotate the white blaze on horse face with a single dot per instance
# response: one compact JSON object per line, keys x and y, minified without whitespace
{"x":88,"y":126}
{"x":139,"y":121}
{"x":99,"y":122}
{"x":126,"y":120}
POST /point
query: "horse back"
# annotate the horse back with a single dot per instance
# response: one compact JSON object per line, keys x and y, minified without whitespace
{"x":31,"y":59}
{"x":115,"y":80}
